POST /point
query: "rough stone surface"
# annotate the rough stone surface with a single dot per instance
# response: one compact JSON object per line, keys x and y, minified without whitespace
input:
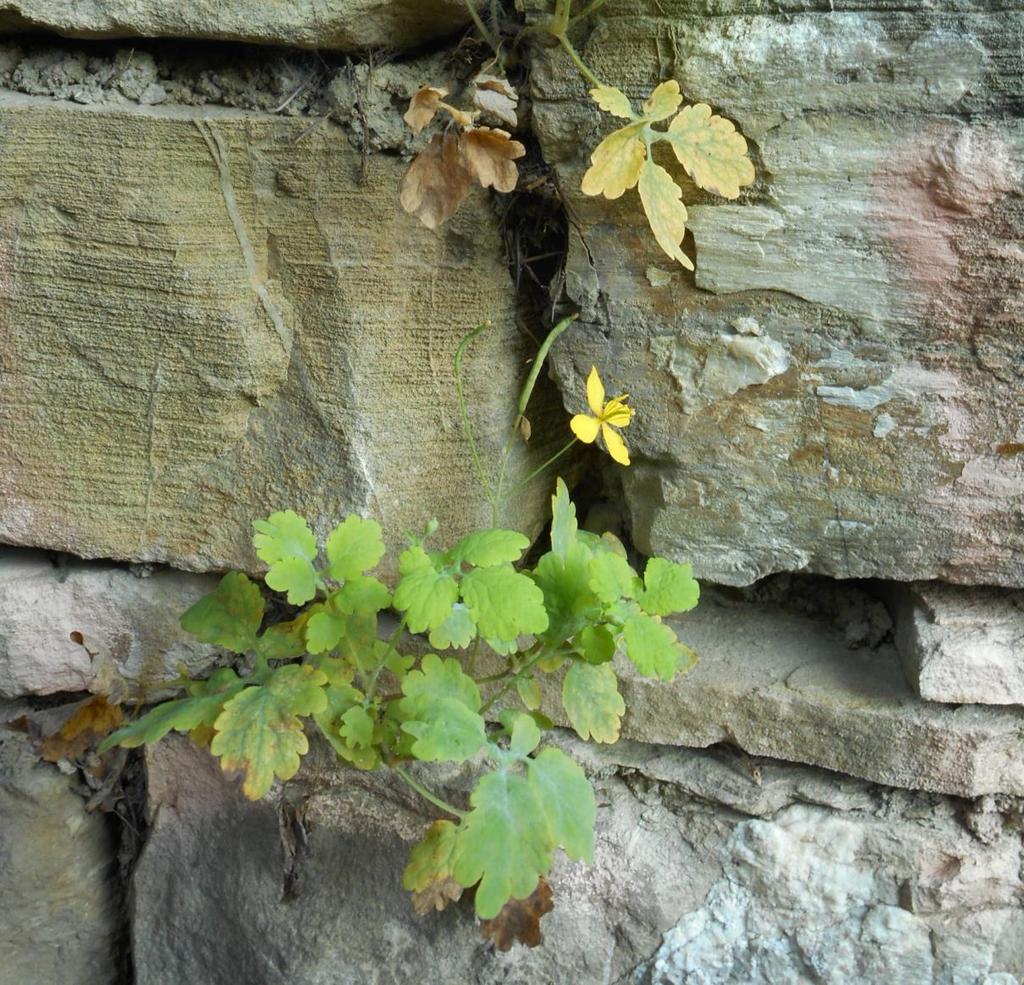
{"x":838,"y":389}
{"x":835,"y":880}
{"x":963,"y":644}
{"x":344,"y":24}
{"x":74,"y":626}
{"x":58,"y":896}
{"x":207,"y":319}
{"x":791,"y":686}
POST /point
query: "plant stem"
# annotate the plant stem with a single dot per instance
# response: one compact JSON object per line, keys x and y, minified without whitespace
{"x":591,"y":8}
{"x":581,"y":66}
{"x":537,"y":471}
{"x":467,"y":427}
{"x":427,"y":795}
{"x":524,"y":399}
{"x":511,"y":683}
{"x":480,"y":25}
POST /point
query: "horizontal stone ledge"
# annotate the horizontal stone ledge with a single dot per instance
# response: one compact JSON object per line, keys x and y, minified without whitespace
{"x":786,"y":685}
{"x":346,"y":25}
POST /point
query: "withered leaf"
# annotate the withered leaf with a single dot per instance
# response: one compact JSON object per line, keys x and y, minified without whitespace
{"x":519,"y":919}
{"x":436,"y":896}
{"x":423,"y":107}
{"x":429,"y":872}
{"x":489,"y":155}
{"x":94,"y":720}
{"x":495,"y":96}
{"x":436,"y":182}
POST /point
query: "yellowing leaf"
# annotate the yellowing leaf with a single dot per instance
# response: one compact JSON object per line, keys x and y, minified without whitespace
{"x":662,"y":201}
{"x":428,"y":876}
{"x":259,"y":729}
{"x":488,"y":155}
{"x":663,"y":102}
{"x":423,"y":107}
{"x":436,"y":183}
{"x":613,"y":101}
{"x":590,"y":696}
{"x":711,"y":150}
{"x":616,"y":163}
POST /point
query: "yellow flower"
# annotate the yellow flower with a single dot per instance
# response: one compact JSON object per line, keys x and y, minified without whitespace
{"x":607,"y":417}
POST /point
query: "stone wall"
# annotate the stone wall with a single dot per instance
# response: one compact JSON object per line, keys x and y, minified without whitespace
{"x":212,"y":307}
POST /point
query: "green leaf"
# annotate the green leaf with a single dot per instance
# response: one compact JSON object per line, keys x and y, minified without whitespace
{"x":529,"y":692}
{"x":504,"y":603}
{"x":230,"y":616}
{"x":652,"y":646}
{"x":283,"y":535}
{"x":354,"y":546}
{"x":259,"y":729}
{"x":564,"y":792}
{"x":357,"y":727}
{"x":489,"y":547}
{"x":457,"y":631}
{"x":568,"y":599}
{"x":294,"y":575}
{"x":324,"y":630}
{"x":592,"y":701}
{"x":424,"y":594}
{"x":611,"y":577}
{"x":340,"y":698}
{"x":668,"y":588}
{"x":180,"y":715}
{"x":563,"y":521}
{"x":362,"y":595}
{"x":504,"y":843}
{"x":525,"y":735}
{"x":284,"y":640}
{"x":430,"y":861}
{"x":596,"y":644}
{"x":440,"y":709}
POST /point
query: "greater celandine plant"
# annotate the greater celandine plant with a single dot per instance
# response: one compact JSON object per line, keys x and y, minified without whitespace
{"x":383,"y":702}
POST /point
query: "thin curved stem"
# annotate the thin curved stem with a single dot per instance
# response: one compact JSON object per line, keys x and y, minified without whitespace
{"x":481,"y":26}
{"x":537,"y":471}
{"x":581,"y":66}
{"x":428,"y":795}
{"x":591,"y":8}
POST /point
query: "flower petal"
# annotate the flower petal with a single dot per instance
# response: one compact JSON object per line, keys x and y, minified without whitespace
{"x":595,"y":392}
{"x":585,"y":428}
{"x":615,"y":445}
{"x":617,"y":412}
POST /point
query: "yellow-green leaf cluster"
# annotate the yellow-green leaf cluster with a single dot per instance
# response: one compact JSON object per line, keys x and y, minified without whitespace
{"x":708,"y":146}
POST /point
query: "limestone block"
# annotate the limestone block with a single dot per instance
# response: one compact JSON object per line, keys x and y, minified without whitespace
{"x":206,"y":317}
{"x":341,"y":24}
{"x":838,"y":388}
{"x":828,"y":872}
{"x":789,"y":686}
{"x":963,"y":645}
{"x":76,"y":626}
{"x":58,"y":894}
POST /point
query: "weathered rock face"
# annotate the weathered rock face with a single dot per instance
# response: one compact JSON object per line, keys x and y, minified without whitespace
{"x":839,"y":389}
{"x":794,"y":687}
{"x":344,"y":24}
{"x":205,"y":320}
{"x":58,"y":894}
{"x":963,"y":645}
{"x":75,"y":626}
{"x":768,"y":873}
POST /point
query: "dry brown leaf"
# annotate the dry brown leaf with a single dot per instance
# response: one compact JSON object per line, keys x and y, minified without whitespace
{"x":436,"y":182}
{"x":489,"y":156}
{"x":495,"y":96}
{"x":519,"y":919}
{"x":423,"y":107}
{"x":93,"y":720}
{"x":436,"y":896}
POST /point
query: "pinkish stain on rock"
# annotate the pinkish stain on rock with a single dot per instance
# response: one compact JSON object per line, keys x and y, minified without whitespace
{"x":930,"y":188}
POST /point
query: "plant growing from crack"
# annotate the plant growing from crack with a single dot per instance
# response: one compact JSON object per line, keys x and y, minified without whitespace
{"x":549,"y":631}
{"x":708,"y":147}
